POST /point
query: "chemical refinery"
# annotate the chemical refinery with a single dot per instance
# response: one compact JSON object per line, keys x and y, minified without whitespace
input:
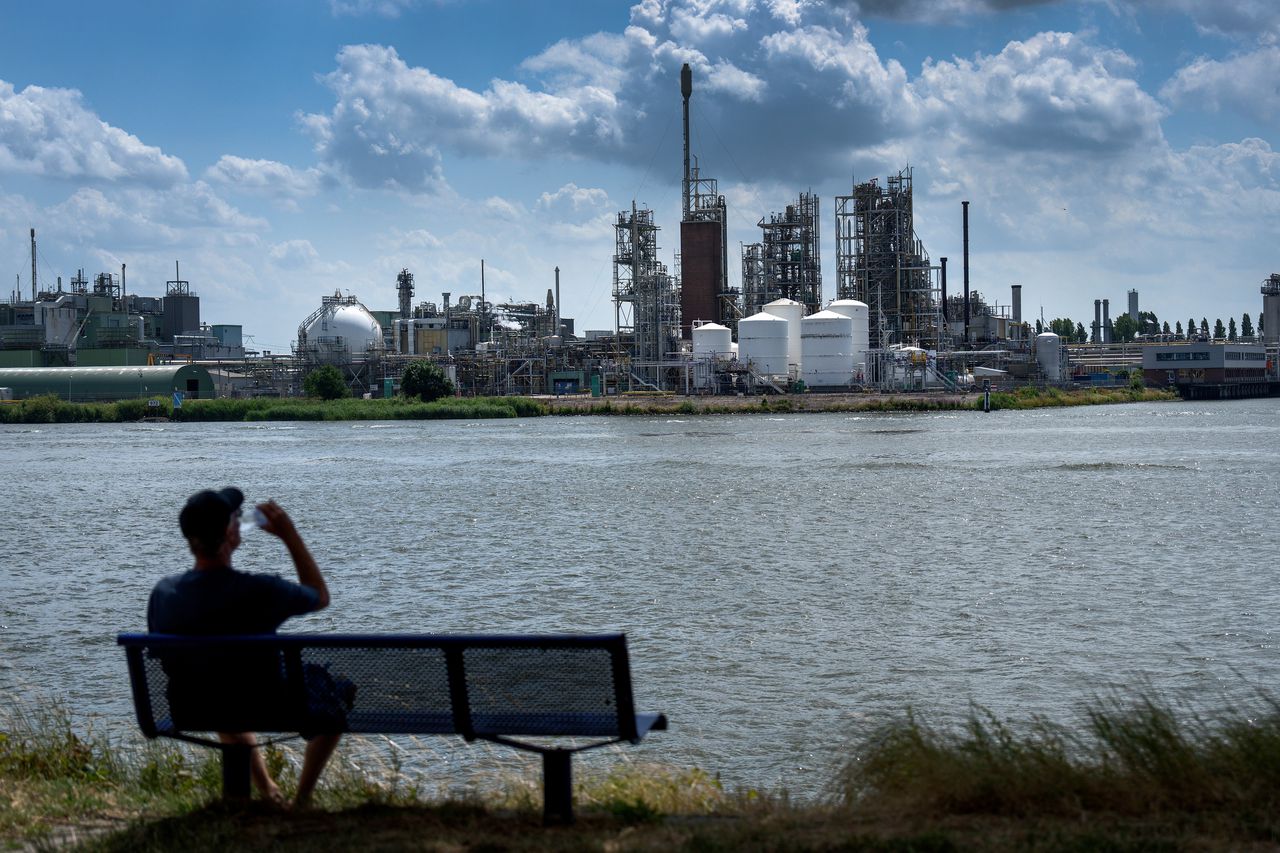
{"x":894,"y":325}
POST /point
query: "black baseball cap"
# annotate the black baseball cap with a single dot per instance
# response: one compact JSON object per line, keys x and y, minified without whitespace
{"x":207,"y":514}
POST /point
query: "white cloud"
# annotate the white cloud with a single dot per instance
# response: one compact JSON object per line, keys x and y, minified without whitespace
{"x":263,"y":177}
{"x":1247,"y":84}
{"x":1054,"y":92}
{"x":293,"y":255}
{"x":51,"y":134}
{"x":572,"y":200}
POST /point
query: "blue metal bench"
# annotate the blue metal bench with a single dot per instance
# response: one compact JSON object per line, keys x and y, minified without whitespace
{"x":502,"y":689}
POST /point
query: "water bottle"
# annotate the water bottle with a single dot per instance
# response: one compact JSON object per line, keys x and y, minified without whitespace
{"x":252,"y":521}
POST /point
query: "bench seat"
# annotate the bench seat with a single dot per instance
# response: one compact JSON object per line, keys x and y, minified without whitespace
{"x":498,"y":688}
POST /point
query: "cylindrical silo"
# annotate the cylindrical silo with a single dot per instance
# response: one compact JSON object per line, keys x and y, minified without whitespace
{"x":1049,"y":356}
{"x":792,"y":312}
{"x":763,"y":341}
{"x":711,"y":342}
{"x":861,"y":316}
{"x":826,"y":349}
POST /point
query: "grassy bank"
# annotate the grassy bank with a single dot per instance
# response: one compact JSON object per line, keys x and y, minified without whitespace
{"x":50,"y":409}
{"x":1039,"y":398}
{"x":1130,"y":776}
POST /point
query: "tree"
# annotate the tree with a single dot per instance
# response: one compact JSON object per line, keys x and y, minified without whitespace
{"x":426,"y":381}
{"x":1040,"y":326}
{"x":1165,"y":329}
{"x":1219,"y":331}
{"x":1231,"y":329}
{"x":1246,"y":326}
{"x":1191,"y":328}
{"x":326,"y":382}
{"x":1123,"y":328}
{"x":1081,"y":337}
{"x":1259,"y":324}
{"x":1178,"y":329}
{"x":1148,"y":323}
{"x":1204,"y":326}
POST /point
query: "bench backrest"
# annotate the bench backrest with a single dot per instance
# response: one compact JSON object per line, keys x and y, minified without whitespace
{"x":475,"y":686}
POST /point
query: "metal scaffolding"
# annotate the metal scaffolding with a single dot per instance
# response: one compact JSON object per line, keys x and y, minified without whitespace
{"x":787,"y":263}
{"x":880,"y":261}
{"x":754,"y":293}
{"x":645,"y":299}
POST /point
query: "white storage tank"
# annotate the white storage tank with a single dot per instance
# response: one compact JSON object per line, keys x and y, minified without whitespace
{"x":763,"y":341}
{"x":861,"y":316}
{"x":1049,"y":356}
{"x":792,"y":312}
{"x":826,"y":349}
{"x":712,"y":340}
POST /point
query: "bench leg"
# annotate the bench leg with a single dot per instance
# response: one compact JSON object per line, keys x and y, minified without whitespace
{"x":557,"y":787}
{"x":235,"y":771}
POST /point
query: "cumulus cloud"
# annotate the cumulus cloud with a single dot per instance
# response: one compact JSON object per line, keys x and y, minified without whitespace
{"x":263,"y":177}
{"x":572,"y":200}
{"x":1246,"y":84}
{"x":1052,"y":92}
{"x":50,"y":133}
{"x":391,"y":120}
{"x":293,"y":254}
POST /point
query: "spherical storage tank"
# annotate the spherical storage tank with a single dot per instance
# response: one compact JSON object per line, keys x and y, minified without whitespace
{"x":763,"y":341}
{"x":791,"y":311}
{"x":861,"y":316}
{"x":826,"y":349}
{"x":341,"y":330}
{"x":1049,"y":356}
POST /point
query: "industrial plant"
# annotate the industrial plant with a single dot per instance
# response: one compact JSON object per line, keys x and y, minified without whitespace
{"x":893,"y":326}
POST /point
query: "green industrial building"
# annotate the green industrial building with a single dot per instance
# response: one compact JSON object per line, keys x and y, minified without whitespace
{"x":101,"y":384}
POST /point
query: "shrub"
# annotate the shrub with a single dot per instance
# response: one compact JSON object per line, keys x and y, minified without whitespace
{"x":326,"y":382}
{"x":426,"y":381}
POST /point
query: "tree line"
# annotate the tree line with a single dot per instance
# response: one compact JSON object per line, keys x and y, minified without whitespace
{"x":1124,"y":328}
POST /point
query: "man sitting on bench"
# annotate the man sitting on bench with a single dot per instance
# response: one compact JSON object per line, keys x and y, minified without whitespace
{"x":214,"y":598}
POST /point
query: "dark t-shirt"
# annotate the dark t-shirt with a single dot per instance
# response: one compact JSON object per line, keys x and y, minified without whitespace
{"x":211,"y":691}
{"x":226,"y":601}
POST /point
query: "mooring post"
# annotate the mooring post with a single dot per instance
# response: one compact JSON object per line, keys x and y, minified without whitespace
{"x":986,"y":395}
{"x":557,"y":787}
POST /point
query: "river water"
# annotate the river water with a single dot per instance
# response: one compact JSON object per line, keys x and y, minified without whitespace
{"x":785,"y":581}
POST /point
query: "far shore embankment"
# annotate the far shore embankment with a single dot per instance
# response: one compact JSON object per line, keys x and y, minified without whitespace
{"x":50,"y":409}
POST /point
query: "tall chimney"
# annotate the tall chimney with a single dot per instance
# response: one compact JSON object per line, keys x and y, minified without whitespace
{"x":1097,"y":321}
{"x":557,"y":329}
{"x":965,"y":205}
{"x":33,"y":265}
{"x":1133,"y":306}
{"x":1106,"y":321}
{"x":1017,"y":303}
{"x":686,"y":89}
{"x":944,"y":292}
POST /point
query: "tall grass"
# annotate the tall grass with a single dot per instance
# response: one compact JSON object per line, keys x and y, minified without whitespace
{"x":1134,"y":758}
{"x":1030,"y":397}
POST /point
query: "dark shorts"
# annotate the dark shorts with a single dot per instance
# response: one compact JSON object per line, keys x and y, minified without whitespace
{"x":329,"y":698}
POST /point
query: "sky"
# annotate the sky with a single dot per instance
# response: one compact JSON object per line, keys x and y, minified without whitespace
{"x":282,"y":151}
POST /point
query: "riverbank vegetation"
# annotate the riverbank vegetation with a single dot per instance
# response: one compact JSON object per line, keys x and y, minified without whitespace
{"x":1132,"y":775}
{"x":51,"y":409}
